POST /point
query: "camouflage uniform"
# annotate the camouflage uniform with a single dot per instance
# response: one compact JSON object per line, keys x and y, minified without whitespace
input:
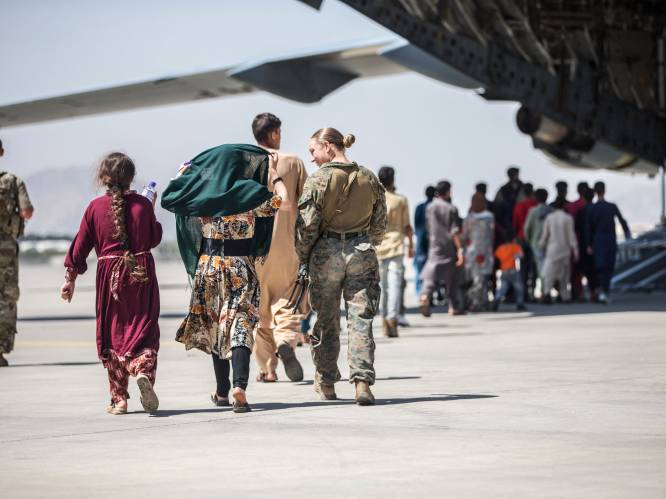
{"x":339,"y":199}
{"x":13,"y":198}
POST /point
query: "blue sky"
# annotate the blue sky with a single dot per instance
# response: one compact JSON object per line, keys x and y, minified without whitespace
{"x":427,"y":130}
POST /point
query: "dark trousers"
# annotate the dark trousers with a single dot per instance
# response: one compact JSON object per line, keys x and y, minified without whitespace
{"x":604,"y":276}
{"x":604,"y":261}
{"x":588,"y":269}
{"x":240,"y":361}
{"x":528,"y":271}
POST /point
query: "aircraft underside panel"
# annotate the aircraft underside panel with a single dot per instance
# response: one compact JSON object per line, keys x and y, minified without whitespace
{"x":596,"y":68}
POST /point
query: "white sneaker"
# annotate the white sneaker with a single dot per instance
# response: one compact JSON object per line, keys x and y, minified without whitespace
{"x":603,"y":298}
{"x":402,"y":321}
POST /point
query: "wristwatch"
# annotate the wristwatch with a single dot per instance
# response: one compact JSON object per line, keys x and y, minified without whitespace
{"x":275,"y":181}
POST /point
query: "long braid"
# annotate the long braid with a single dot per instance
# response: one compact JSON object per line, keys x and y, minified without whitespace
{"x":138,"y":272}
{"x":116,"y":173}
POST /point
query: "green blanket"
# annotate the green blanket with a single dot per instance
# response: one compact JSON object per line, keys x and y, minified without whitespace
{"x":225,"y":180}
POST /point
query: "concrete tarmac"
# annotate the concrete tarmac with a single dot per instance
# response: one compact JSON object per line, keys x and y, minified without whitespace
{"x":560,"y":401}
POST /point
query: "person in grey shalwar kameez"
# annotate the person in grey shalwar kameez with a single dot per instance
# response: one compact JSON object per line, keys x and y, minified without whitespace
{"x":445,"y":252}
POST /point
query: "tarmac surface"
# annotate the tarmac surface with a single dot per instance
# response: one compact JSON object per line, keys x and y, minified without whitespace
{"x":560,"y":401}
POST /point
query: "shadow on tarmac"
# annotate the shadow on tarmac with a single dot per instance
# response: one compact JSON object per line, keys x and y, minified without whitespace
{"x":435,"y":398}
{"x":276,"y":406}
{"x":407,"y":333}
{"x":622,"y":302}
{"x":177,"y":412}
{"x":388,"y":378}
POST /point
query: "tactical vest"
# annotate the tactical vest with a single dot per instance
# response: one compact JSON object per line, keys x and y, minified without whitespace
{"x":11,"y":223}
{"x":349,"y":200}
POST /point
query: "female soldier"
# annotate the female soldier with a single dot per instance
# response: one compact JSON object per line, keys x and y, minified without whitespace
{"x":342,"y":215}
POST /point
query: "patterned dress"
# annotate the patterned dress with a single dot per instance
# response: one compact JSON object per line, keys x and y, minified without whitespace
{"x":225,"y":292}
{"x":478,"y":239}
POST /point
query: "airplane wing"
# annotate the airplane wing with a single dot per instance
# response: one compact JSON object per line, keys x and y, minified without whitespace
{"x":144,"y":94}
{"x":304,"y":77}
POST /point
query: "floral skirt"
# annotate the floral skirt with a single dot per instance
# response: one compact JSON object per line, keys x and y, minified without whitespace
{"x":224,"y":309}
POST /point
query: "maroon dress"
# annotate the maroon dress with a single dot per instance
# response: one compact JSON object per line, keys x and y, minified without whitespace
{"x":126,"y":327}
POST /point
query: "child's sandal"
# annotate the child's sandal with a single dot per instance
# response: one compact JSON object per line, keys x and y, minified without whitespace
{"x":115,"y":410}
{"x":149,"y":399}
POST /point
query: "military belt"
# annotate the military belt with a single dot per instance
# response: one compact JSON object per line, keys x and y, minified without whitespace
{"x":329,"y":234}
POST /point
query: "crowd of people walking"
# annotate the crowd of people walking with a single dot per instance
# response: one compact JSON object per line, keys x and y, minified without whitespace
{"x":541,"y":250}
{"x":266,"y":247}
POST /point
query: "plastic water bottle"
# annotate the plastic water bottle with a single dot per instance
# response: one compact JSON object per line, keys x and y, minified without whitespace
{"x":149,"y":191}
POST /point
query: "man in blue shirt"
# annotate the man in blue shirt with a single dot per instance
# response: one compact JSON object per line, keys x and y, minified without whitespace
{"x":601,"y":239}
{"x":421,"y":232}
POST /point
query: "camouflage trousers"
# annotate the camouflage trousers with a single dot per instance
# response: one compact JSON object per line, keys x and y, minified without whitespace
{"x":9,"y":292}
{"x":348,"y":269}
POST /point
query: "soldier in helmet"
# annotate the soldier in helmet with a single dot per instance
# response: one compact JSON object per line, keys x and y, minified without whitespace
{"x":15,"y":208}
{"x":342,"y":217}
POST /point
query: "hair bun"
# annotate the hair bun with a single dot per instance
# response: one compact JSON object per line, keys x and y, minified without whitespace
{"x":349,"y":140}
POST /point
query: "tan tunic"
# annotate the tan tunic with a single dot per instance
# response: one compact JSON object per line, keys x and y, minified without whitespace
{"x":396,"y":231}
{"x":278,"y":272}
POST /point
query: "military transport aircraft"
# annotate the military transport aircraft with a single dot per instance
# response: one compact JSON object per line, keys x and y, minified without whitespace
{"x":589,"y":74}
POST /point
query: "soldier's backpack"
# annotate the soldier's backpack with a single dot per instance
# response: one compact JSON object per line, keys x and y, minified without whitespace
{"x":11,"y":222}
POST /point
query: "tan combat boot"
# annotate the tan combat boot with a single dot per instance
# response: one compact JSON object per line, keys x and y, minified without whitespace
{"x":387,"y":330}
{"x":363,"y":394}
{"x":327,"y":392}
{"x":392,"y":328}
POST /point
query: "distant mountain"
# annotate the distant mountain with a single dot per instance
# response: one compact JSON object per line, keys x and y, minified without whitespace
{"x":60,"y":197}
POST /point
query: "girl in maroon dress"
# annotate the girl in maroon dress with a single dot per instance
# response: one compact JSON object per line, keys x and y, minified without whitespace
{"x":122,"y":228}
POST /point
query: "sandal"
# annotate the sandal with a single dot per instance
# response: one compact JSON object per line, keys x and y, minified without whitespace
{"x":238,"y":408}
{"x":219,"y":401}
{"x":149,"y":399}
{"x":241,"y":407}
{"x":261,"y":378}
{"x":116,"y":411}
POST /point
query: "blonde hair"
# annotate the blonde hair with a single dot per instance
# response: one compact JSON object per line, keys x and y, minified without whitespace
{"x":334,"y":137}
